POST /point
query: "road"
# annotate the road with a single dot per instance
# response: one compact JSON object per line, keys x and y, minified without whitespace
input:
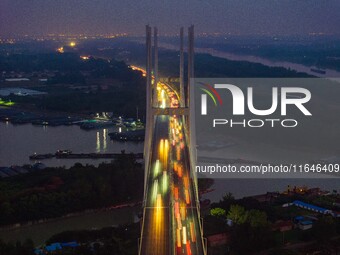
{"x":171,"y":216}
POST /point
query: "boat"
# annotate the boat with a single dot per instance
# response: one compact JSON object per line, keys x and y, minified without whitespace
{"x":36,"y":156}
{"x":135,"y":135}
{"x":63,"y":152}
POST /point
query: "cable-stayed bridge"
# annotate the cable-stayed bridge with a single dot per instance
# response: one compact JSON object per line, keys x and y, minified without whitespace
{"x":171,"y":221}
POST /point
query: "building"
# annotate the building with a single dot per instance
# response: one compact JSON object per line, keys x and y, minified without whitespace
{"x":311,"y":207}
{"x":305,"y":224}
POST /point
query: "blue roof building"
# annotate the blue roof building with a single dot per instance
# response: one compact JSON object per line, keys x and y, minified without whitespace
{"x":311,"y":207}
{"x":53,"y":247}
{"x":70,"y":244}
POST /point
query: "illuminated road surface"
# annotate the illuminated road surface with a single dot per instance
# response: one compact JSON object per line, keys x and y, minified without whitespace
{"x":170,"y":219}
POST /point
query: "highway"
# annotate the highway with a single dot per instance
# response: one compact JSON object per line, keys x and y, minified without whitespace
{"x":170,"y":223}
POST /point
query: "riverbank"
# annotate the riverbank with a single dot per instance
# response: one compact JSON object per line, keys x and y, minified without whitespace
{"x":18,"y":116}
{"x":89,"y":219}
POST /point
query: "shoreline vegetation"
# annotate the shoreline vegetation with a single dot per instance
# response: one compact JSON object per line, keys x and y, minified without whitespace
{"x":262,"y":222}
{"x":56,"y":191}
{"x":27,"y":199}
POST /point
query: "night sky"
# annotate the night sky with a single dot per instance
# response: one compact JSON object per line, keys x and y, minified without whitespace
{"x":41,"y":17}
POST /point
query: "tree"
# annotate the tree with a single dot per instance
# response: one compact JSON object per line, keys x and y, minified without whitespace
{"x":257,"y":218}
{"x":218,"y":212}
{"x":237,"y":214}
{"x":228,"y":197}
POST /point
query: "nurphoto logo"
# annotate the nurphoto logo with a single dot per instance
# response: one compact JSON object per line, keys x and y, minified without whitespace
{"x":295,"y":96}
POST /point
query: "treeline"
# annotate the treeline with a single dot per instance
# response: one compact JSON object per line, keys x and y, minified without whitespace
{"x":124,"y":85}
{"x":55,"y":192}
{"x":207,"y":66}
{"x":18,"y":248}
{"x":122,"y":100}
{"x":53,"y":61}
{"x":322,"y":54}
{"x":113,"y":240}
{"x":67,"y":65}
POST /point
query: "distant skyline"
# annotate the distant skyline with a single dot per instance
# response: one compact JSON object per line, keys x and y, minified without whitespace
{"x":281,"y":17}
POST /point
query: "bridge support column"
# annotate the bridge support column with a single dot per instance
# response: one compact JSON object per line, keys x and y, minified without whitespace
{"x":149,"y":117}
{"x":155,"y":71}
{"x":190,"y":61}
{"x":181,"y":70}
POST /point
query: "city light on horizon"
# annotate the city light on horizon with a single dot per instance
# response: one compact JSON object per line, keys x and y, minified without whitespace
{"x":60,"y":50}
{"x":235,"y":17}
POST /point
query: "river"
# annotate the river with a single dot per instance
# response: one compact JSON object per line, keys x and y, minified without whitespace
{"x":267,"y":62}
{"x":20,"y":141}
